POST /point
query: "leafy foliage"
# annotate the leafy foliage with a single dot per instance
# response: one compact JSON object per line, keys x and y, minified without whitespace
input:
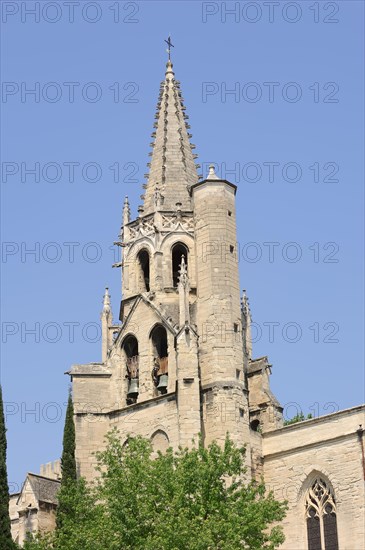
{"x":190,"y":499}
{"x":6,"y":542}
{"x":298,"y":418}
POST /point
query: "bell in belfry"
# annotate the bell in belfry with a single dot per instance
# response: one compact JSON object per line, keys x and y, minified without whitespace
{"x":133,"y":389}
{"x":162,"y":383}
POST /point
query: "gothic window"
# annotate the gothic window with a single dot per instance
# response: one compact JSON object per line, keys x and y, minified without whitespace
{"x":160,"y":358}
{"x":144,"y":265}
{"x":321,"y":518}
{"x":130,"y":347}
{"x":178,"y":251}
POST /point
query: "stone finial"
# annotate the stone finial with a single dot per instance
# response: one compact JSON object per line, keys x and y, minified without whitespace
{"x":106,"y":302}
{"x":126,"y":212}
{"x":211,"y":174}
{"x":140,"y":210}
{"x":169,"y":69}
{"x":183,"y":272}
{"x":246,"y":324}
{"x":184,"y":288}
{"x":106,"y":323}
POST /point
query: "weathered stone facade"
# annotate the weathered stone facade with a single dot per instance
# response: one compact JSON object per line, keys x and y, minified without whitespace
{"x":328,"y":447}
{"x":180,"y":362}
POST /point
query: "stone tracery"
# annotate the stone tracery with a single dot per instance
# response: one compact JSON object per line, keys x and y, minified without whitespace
{"x":320,"y":507}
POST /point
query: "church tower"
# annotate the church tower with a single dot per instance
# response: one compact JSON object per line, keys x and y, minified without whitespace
{"x":179,"y":365}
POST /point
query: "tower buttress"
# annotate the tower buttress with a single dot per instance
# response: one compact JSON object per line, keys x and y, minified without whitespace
{"x":225,"y":406}
{"x":218,"y":291}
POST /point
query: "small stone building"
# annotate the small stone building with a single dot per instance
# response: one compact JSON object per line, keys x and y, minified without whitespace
{"x":34,"y":508}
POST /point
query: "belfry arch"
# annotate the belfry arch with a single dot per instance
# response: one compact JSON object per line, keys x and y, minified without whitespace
{"x":143,"y":259}
{"x":160,"y":352}
{"x":178,"y":250}
{"x":130,"y":348}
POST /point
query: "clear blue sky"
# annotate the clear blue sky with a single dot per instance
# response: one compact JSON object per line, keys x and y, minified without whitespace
{"x":320,"y":135}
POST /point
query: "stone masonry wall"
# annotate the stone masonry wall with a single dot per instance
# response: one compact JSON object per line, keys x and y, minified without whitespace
{"x":158,"y":415}
{"x":330,"y":446}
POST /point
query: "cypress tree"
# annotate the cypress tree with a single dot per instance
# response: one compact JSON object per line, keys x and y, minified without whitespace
{"x":68,"y":461}
{"x":6,"y":542}
{"x":68,"y":467}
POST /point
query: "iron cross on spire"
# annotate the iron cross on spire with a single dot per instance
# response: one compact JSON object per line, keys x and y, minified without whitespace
{"x":169,"y":43}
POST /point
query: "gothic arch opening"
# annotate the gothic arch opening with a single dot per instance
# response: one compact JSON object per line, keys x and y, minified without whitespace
{"x":160,"y":358}
{"x":130,"y":348}
{"x":178,"y":250}
{"x":160,"y":441}
{"x":143,"y":258}
{"x":321,"y":515}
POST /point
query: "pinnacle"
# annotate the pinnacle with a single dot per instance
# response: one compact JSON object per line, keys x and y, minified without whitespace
{"x":106,"y":301}
{"x":212,"y":175}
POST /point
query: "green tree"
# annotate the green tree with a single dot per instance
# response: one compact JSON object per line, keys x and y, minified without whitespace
{"x":68,"y":461}
{"x":299,"y":417}
{"x":6,"y":542}
{"x":68,"y":466}
{"x":190,"y":499}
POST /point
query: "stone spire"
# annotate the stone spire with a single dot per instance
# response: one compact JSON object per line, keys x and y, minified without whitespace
{"x":172,"y":166}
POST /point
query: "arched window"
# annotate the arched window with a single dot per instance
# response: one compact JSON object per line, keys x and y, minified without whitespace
{"x":321,"y":517}
{"x":144,"y":266}
{"x":130,"y":347}
{"x":178,"y":250}
{"x":160,"y":358}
